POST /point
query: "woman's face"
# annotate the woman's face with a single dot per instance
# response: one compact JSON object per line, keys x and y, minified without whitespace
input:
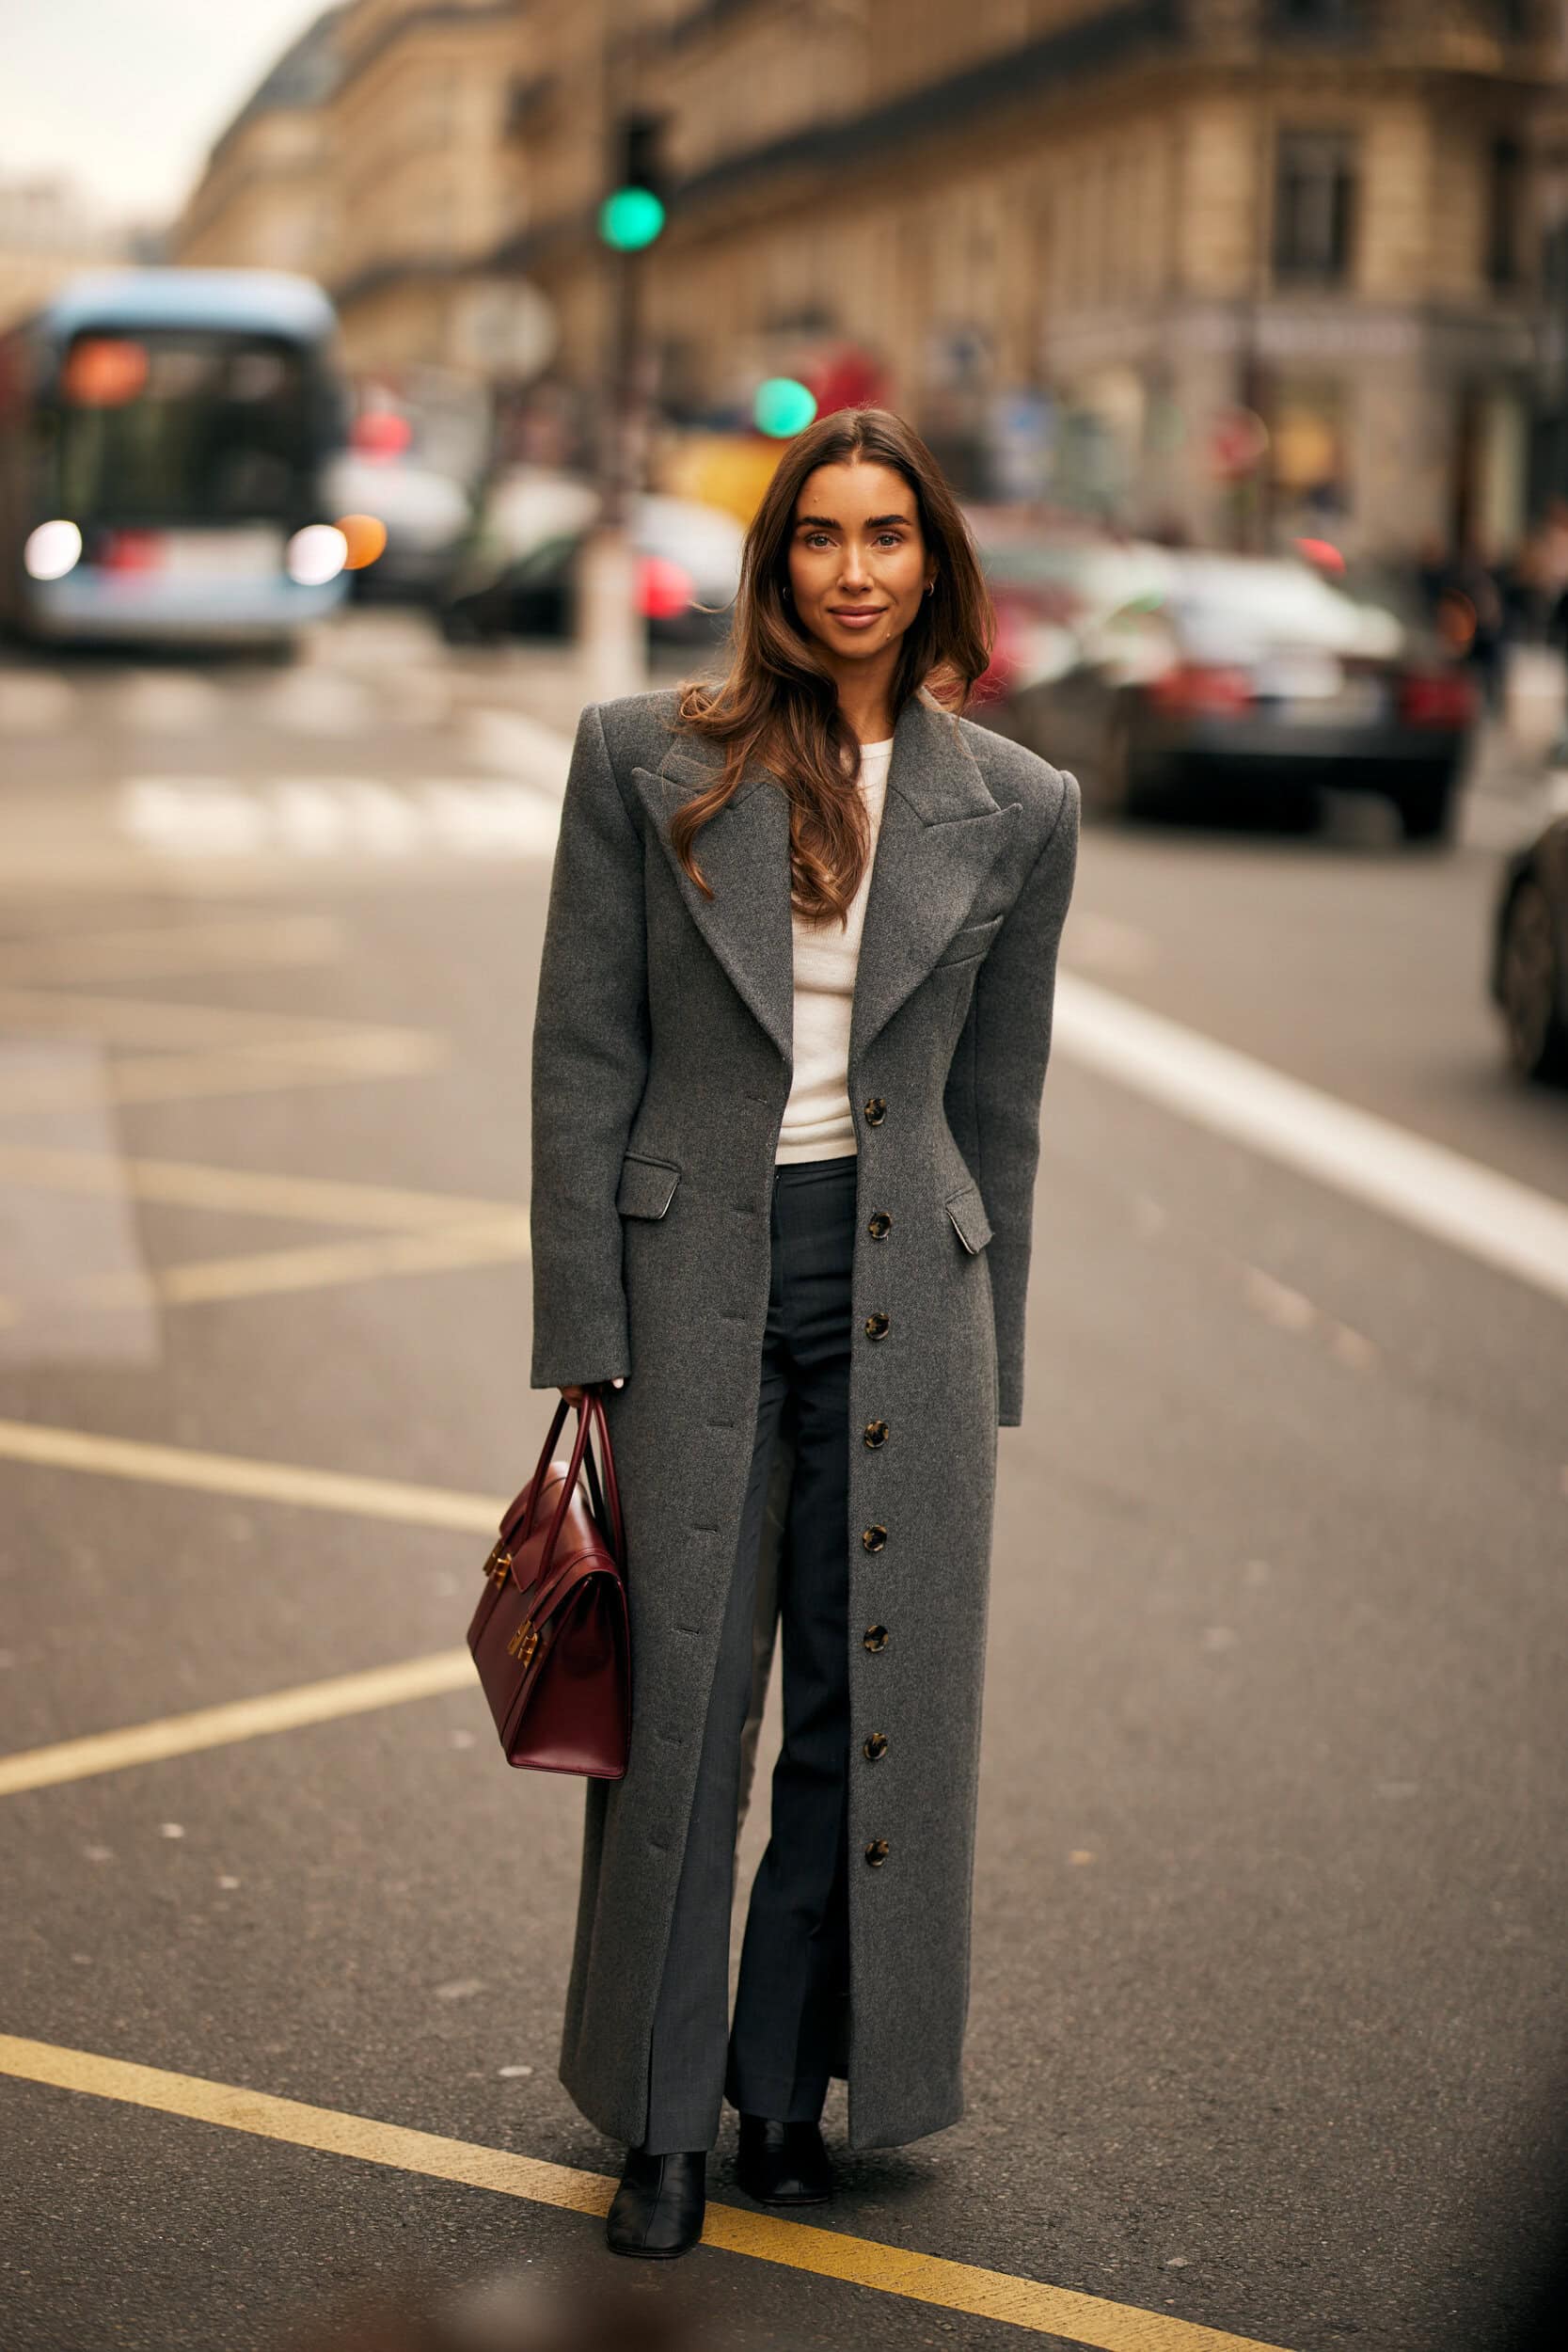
{"x":858,"y":566}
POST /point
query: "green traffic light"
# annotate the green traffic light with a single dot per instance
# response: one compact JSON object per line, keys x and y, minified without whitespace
{"x":630,"y":220}
{"x":782,"y":406}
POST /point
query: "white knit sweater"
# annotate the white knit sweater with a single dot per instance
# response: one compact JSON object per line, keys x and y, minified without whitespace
{"x":817,"y":1122}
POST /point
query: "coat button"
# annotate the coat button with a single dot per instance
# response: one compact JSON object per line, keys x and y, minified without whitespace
{"x":877,"y":1433}
{"x":879,"y":1224}
{"x":874,"y":1538}
{"x":876,"y":1111}
{"x":875,"y":1748}
{"x":877,"y":1852}
{"x":875,"y":1637}
{"x":876,"y":1327}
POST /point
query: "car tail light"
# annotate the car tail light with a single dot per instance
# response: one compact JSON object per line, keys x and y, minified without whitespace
{"x":130,"y":550}
{"x":664,"y":590}
{"x":1194,"y":686}
{"x":1436,"y":698}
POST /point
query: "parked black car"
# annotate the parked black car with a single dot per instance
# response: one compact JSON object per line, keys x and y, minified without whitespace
{"x":516,"y":572}
{"x":1246,"y":678}
{"x":1529,"y":972}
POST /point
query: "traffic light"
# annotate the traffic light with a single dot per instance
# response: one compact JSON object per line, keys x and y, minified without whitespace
{"x":782,"y":406}
{"x":632,"y":214}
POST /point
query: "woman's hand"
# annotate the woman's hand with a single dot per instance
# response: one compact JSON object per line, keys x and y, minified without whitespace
{"x":572,"y":1390}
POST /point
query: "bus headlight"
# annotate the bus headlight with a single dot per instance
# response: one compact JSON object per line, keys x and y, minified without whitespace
{"x":52,"y":550}
{"x":316,"y":554}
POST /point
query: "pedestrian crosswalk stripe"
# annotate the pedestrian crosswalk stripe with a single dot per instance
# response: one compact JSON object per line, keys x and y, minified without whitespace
{"x":205,"y":1727}
{"x":1027,"y":2304}
{"x":236,"y":1474}
{"x":320,"y":818}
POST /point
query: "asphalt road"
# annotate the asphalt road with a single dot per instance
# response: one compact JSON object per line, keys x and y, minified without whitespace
{"x":1267,"y":2025}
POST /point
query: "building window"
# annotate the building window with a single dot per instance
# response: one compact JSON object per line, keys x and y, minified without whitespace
{"x":1314,"y":206}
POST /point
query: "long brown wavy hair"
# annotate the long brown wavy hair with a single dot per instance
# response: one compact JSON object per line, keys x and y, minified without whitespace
{"x":780,"y":702}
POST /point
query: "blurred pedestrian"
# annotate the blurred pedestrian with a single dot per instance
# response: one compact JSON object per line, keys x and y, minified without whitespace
{"x":793,"y":1023}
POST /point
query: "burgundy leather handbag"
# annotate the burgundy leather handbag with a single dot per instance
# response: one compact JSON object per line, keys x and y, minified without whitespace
{"x":550,"y":1637}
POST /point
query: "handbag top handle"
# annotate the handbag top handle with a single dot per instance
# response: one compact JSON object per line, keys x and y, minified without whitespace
{"x":590,"y":1416}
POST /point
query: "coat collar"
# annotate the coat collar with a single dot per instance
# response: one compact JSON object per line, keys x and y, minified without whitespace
{"x":941,"y":832}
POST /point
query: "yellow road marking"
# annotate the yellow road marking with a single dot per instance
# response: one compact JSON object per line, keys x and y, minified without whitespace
{"x":257,"y":1070}
{"x":993,"y":2294}
{"x":240,"y":1719}
{"x":240,"y":944}
{"x":278,"y":1270}
{"x":189,"y":1183}
{"x":234,"y":1474}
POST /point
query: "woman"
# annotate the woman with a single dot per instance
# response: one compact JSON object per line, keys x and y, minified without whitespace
{"x":793,"y":1022}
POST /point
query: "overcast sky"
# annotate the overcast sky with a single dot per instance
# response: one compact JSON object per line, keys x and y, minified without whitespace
{"x":126,"y":96}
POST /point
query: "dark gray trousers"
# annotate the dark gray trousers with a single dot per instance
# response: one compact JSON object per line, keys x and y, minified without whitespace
{"x":789,"y":2009}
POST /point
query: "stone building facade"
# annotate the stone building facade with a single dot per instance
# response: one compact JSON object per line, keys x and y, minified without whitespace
{"x":1236,"y":268}
{"x":375,"y":158}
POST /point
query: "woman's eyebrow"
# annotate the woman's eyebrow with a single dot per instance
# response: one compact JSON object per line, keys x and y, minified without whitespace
{"x":830,"y":522}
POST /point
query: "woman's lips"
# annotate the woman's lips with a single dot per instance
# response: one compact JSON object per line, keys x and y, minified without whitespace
{"x":857,"y":616}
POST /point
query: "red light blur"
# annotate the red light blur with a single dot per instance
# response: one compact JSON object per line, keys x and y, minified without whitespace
{"x":664,"y":590}
{"x":1437,"y":698}
{"x":381,"y":433}
{"x":1323,"y":552}
{"x":1198,"y":686}
{"x":103,"y":372}
{"x":130,"y":550}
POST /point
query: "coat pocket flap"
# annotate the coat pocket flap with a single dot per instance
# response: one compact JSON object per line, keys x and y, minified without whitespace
{"x":970,"y":1222}
{"x":970,"y":941}
{"x":647,"y":1187}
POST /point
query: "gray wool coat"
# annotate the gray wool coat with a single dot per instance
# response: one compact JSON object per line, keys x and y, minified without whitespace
{"x":662,"y":1053}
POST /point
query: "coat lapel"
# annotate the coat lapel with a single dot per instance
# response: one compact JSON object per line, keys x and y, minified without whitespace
{"x":744,"y":853}
{"x":940,"y":832}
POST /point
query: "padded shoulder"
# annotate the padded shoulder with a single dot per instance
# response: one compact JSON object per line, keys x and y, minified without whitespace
{"x":1014,"y":772}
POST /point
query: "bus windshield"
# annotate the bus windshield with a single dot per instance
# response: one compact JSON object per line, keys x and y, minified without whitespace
{"x":183,"y":425}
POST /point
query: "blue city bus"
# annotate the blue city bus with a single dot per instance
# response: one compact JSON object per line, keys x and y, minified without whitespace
{"x":163,"y":436}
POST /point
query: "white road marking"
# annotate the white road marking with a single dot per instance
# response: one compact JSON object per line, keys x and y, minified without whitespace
{"x":1434,"y":1190}
{"x":321,"y":818}
{"x":521,"y":749}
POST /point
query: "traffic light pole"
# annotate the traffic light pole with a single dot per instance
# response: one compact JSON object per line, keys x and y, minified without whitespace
{"x":612,"y":633}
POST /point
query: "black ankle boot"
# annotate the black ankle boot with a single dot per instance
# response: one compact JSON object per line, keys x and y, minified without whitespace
{"x":782,"y":2164}
{"x":658,"y":2210}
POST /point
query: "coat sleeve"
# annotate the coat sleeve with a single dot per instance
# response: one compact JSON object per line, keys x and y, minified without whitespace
{"x":590,"y":1067}
{"x":997,"y":1079}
